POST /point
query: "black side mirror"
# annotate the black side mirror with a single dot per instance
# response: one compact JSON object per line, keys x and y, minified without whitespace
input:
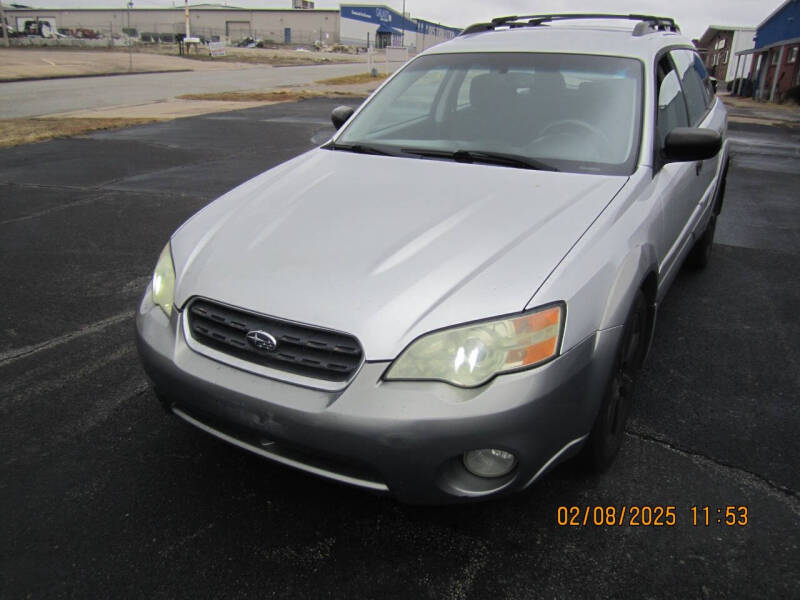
{"x":340,"y":115}
{"x":684,"y":144}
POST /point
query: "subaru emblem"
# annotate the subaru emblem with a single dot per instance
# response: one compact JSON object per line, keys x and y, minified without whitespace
{"x":261,"y":340}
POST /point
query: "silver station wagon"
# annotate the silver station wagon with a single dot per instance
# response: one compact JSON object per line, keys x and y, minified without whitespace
{"x":458,"y":290}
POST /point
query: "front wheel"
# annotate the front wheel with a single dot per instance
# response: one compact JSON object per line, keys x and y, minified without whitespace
{"x":608,"y":431}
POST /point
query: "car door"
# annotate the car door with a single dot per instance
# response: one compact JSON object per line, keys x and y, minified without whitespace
{"x":675,"y":183}
{"x":685,"y":99}
{"x":700,"y":100}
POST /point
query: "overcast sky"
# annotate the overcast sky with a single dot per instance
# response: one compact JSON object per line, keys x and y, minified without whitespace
{"x":694,"y":16}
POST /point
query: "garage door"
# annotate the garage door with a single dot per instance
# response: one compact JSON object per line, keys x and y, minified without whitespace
{"x":237,"y":30}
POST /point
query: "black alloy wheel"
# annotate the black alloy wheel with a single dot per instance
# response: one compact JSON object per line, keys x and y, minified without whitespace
{"x":608,"y":431}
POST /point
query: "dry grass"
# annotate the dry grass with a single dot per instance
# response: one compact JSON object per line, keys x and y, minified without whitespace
{"x":14,"y":132}
{"x":267,"y":56}
{"x":277,"y":96}
{"x":353,"y":79}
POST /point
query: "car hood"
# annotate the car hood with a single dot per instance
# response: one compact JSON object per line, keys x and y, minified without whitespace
{"x":385,"y":248}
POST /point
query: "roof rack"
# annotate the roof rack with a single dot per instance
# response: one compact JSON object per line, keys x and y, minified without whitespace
{"x":646,"y":24}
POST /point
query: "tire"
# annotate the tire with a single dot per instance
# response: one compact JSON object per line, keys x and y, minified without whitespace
{"x":608,"y":431}
{"x":700,"y":254}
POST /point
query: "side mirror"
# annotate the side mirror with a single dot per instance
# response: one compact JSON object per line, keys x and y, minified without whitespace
{"x":340,"y":115}
{"x":685,"y":144}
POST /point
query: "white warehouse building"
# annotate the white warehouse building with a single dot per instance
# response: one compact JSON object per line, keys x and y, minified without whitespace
{"x":352,"y":24}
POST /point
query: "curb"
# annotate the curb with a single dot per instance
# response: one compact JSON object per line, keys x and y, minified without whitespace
{"x":85,"y":75}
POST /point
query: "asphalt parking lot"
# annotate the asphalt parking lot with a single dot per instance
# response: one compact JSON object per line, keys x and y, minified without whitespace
{"x":103,"y":495}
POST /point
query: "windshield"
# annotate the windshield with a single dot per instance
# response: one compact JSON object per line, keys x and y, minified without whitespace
{"x":565,"y":112}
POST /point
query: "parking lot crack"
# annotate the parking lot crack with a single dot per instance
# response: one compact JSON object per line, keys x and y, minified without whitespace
{"x":751,"y":479}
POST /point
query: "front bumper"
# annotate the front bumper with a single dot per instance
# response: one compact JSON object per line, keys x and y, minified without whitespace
{"x":402,"y":437}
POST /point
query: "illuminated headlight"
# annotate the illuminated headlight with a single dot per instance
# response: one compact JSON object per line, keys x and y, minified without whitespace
{"x":471,"y":355}
{"x":164,"y":281}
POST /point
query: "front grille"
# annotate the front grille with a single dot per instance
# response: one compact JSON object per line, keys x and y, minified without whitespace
{"x":301,"y":349}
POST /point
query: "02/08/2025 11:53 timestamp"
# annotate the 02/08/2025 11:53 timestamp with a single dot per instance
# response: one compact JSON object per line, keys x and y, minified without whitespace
{"x":651,"y":516}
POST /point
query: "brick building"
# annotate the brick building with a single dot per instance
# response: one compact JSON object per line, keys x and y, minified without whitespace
{"x":775,"y":65}
{"x":718,"y":47}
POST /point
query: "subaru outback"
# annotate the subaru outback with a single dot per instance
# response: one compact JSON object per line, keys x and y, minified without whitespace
{"x":457,"y":291}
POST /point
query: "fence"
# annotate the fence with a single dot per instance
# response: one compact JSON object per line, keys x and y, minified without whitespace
{"x":164,"y":33}
{"x":381,"y":58}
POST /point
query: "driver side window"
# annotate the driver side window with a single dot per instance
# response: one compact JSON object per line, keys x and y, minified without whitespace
{"x":671,"y":109}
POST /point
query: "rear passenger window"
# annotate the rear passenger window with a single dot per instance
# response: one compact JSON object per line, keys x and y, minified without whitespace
{"x":671,"y":106}
{"x":701,"y":69}
{"x":693,"y":79}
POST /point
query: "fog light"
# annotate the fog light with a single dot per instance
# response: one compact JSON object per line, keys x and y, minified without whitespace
{"x":489,"y":462}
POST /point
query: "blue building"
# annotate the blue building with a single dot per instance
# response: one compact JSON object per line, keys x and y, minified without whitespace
{"x":381,"y":26}
{"x":775,"y":67}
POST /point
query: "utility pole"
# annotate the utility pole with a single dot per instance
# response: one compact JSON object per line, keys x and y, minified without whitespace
{"x":5,"y":29}
{"x":186,"y":3}
{"x":403,"y":25}
{"x":130,"y":38}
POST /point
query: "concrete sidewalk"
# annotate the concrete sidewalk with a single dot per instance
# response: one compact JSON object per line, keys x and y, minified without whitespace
{"x":747,"y":110}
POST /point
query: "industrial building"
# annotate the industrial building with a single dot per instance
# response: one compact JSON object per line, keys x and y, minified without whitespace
{"x":381,"y":26}
{"x":351,"y":24}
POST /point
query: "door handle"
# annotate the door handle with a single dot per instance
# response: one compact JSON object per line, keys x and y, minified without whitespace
{"x":698,"y":167}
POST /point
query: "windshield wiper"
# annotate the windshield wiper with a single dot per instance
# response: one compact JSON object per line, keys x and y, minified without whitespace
{"x":361,"y":149}
{"x":485,"y":157}
{"x":465,"y":156}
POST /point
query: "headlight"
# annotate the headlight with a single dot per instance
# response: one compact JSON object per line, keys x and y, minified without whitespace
{"x":164,"y":281}
{"x":471,"y":355}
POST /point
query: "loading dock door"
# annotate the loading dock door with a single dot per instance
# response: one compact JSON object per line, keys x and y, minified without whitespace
{"x":383,"y":37}
{"x":237,"y":30}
